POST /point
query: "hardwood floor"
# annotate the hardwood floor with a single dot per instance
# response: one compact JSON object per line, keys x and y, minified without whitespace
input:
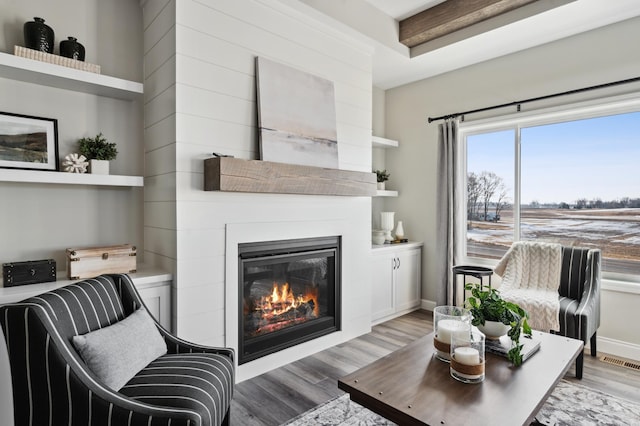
{"x":280,"y":395}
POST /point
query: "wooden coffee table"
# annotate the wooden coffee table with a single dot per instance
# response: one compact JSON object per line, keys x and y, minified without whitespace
{"x":411,"y":387}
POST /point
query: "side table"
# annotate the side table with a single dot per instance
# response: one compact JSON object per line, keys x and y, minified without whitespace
{"x":478,"y":272}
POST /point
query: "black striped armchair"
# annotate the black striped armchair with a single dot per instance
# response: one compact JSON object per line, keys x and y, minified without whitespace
{"x":580,"y":297}
{"x":52,"y":385}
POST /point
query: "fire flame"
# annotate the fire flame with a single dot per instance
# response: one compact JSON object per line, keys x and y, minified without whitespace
{"x":282,"y":300}
{"x":281,"y":308}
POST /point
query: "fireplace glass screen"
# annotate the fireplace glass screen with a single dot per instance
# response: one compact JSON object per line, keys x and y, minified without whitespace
{"x":288,"y":293}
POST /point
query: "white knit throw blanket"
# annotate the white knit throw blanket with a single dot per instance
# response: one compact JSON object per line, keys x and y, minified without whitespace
{"x":530,"y":274}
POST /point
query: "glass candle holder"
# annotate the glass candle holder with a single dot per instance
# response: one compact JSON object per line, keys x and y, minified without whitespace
{"x":447,"y":322}
{"x":467,"y":357}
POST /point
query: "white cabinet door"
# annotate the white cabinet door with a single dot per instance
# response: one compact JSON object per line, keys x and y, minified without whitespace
{"x":407,"y":280}
{"x":382,"y":294}
{"x":396,"y":281}
{"x":158,"y":300}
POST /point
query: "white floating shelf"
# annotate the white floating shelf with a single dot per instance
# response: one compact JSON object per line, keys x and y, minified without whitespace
{"x":37,"y":176}
{"x":379,"y":142}
{"x":386,"y":193}
{"x":61,"y":77}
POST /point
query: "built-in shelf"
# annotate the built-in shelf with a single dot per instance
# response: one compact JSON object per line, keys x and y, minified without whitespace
{"x":145,"y":277}
{"x":379,"y":142}
{"x":239,"y":175}
{"x":391,"y":247}
{"x":46,"y":177}
{"x":61,"y":77}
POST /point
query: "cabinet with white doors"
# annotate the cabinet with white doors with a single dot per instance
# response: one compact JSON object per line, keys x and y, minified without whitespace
{"x":396,"y":280}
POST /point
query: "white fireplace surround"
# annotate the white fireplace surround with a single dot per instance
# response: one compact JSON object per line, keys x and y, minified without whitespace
{"x":237,"y":233}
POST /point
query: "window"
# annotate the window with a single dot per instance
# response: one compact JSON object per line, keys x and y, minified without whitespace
{"x":564,"y":176}
{"x":490,"y":186}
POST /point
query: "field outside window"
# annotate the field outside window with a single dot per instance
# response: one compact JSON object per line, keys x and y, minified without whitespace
{"x":576,"y":183}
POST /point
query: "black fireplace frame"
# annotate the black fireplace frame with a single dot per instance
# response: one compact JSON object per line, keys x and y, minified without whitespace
{"x":296,"y":249}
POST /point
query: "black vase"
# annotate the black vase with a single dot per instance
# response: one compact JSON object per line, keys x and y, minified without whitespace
{"x":70,"y":48}
{"x":38,"y":35}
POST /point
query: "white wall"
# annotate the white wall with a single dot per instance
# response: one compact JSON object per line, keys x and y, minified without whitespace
{"x":596,"y":57}
{"x":40,"y":221}
{"x":200,"y":98}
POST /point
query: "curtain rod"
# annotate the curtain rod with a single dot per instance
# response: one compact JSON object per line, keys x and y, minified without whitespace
{"x":539,"y":98}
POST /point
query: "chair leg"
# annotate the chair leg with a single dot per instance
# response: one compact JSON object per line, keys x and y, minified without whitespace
{"x":592,"y":343}
{"x":227,"y":419}
{"x":579,"y":365}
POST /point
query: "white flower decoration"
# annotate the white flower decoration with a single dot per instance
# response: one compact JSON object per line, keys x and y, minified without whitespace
{"x":74,"y":163}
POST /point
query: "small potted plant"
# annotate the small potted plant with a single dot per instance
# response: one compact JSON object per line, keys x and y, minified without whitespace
{"x":99,"y":152}
{"x":382,"y":176}
{"x":488,"y":306}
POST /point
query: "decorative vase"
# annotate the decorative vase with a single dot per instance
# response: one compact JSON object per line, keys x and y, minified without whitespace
{"x":38,"y":35}
{"x":70,"y":48}
{"x":399,"y":231}
{"x":377,"y":237}
{"x":381,"y":186}
{"x":386,"y":223}
{"x":99,"y":167}
{"x":493,"y":329}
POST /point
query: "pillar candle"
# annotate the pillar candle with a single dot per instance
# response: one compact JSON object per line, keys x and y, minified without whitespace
{"x":447,"y":328}
{"x":467,"y":355}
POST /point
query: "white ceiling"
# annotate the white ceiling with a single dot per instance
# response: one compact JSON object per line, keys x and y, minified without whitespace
{"x":394,"y":64}
{"x":401,"y":9}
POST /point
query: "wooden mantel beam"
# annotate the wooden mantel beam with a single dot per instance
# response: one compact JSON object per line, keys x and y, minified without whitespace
{"x":239,"y":175}
{"x":450,"y":16}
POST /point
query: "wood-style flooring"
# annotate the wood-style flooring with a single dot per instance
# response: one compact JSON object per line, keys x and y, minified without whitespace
{"x":282,"y":394}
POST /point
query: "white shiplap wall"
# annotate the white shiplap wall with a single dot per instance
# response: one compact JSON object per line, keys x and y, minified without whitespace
{"x":200,"y":98}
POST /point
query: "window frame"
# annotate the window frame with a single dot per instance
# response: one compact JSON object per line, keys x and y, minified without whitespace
{"x":614,"y":105}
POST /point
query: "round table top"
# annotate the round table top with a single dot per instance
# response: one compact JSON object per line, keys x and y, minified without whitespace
{"x":475,"y":271}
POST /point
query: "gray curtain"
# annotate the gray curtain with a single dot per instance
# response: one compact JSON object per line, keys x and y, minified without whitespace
{"x":450,"y":208}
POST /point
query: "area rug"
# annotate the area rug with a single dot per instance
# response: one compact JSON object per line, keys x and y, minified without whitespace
{"x":569,"y":404}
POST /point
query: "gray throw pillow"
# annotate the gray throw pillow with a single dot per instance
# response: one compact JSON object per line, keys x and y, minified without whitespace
{"x":118,"y":352}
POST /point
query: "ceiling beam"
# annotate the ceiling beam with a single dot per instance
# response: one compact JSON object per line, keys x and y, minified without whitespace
{"x":450,"y":16}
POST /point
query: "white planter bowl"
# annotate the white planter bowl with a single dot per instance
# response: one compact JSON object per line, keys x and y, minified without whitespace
{"x":494,"y":329}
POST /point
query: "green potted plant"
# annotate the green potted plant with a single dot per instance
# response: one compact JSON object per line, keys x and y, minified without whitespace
{"x":99,"y":152}
{"x":382,"y":176}
{"x":488,"y":306}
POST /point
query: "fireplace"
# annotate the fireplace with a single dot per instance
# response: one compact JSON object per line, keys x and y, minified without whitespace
{"x":289,"y":293}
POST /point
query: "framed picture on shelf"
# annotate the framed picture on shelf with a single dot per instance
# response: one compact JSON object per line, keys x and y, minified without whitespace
{"x":28,"y":142}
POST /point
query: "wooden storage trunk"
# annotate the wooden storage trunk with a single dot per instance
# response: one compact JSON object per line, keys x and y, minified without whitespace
{"x":93,"y":261}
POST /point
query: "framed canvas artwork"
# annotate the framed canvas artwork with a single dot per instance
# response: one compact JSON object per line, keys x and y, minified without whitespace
{"x":28,"y":142}
{"x":296,"y":116}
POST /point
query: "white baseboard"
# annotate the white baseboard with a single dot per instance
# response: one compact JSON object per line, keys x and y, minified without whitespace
{"x":428,"y":305}
{"x":618,"y":348}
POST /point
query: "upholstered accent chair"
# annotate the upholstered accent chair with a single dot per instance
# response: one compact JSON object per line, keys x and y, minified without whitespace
{"x":578,"y":293}
{"x":186,"y":385}
{"x":580,"y":283}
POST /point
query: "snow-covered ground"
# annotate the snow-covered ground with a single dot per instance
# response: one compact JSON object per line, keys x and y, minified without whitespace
{"x":615,"y":231}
